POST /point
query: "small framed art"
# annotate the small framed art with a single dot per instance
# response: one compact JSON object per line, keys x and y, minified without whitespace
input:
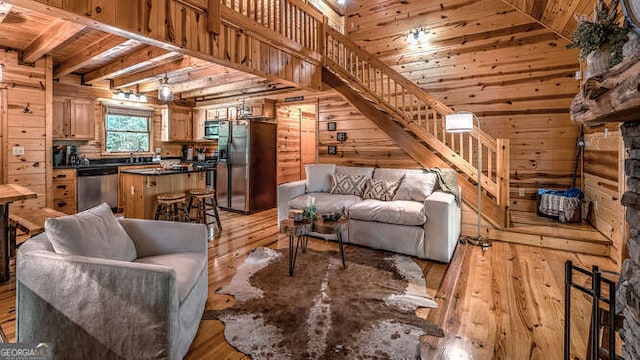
{"x":331,"y":126}
{"x":341,"y":136}
{"x":332,"y":150}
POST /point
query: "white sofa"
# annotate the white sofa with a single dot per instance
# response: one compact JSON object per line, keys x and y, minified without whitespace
{"x":426,"y":229}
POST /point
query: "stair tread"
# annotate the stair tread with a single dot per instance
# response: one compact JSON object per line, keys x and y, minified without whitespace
{"x":576,"y":234}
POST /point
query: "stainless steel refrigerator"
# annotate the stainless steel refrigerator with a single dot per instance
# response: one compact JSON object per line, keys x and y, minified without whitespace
{"x":246,"y":171}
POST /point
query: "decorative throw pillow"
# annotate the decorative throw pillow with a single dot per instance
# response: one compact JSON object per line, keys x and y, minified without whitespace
{"x":347,"y":184}
{"x":319,"y":177}
{"x":416,"y":187}
{"x":94,"y":233}
{"x":380,"y":189}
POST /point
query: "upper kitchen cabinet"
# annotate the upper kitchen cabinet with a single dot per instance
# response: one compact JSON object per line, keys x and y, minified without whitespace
{"x":264,"y":108}
{"x":177,"y":123}
{"x":73,"y":118}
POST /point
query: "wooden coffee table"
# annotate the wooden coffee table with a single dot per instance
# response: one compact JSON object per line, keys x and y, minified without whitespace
{"x":294,"y":229}
{"x":332,"y":227}
{"x":301,"y":229}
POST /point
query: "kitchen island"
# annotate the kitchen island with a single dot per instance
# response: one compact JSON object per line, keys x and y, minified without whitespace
{"x":141,"y":186}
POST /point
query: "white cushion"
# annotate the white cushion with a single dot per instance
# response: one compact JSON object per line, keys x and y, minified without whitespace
{"x":325,"y":202}
{"x":389,"y":174}
{"x":319,"y":177}
{"x":187,"y":265}
{"x":367,"y":172}
{"x":399,"y":212}
{"x":416,"y":187}
{"x":94,"y":232}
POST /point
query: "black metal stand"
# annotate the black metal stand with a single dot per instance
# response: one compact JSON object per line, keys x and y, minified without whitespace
{"x":595,"y":292}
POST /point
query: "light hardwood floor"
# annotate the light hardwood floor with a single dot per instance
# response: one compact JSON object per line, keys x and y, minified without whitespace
{"x":504,"y":303}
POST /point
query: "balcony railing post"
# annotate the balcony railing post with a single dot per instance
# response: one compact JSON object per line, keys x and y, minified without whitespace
{"x":502,"y":172}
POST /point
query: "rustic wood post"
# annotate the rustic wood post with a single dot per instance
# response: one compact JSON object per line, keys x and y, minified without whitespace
{"x":213,"y":17}
{"x":502,"y":174}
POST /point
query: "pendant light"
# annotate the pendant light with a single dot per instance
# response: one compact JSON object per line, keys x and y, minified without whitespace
{"x":165,"y":91}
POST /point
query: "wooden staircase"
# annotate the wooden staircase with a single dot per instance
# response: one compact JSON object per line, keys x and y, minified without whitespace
{"x":415,"y":120}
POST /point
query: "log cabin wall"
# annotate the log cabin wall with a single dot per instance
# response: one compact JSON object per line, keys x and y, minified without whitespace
{"x":24,"y":113}
{"x":603,"y":178}
{"x":514,"y":73}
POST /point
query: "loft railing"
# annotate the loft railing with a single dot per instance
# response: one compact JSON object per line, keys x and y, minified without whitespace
{"x":292,"y":19}
{"x":302,"y":24}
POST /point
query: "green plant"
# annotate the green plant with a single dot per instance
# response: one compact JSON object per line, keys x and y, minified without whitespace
{"x":602,"y":31}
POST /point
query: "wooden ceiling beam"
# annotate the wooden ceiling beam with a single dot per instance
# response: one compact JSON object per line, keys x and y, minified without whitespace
{"x":156,"y":72}
{"x":5,"y":9}
{"x":84,"y":57}
{"x":537,"y":17}
{"x":54,"y":35}
{"x":129,"y":62}
{"x":198,"y":73}
{"x":230,"y":86}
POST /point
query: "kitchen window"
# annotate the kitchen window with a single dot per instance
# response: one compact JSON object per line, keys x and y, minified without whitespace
{"x":127,"y":129}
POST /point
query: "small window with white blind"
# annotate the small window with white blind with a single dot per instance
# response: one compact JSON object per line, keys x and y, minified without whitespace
{"x":127,"y":129}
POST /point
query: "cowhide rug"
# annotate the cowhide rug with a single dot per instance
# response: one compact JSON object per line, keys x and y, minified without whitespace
{"x":324,"y":312}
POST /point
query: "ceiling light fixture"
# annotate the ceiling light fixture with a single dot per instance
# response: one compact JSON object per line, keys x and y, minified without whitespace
{"x":417,"y":35}
{"x":129,"y":96}
{"x":165,"y":91}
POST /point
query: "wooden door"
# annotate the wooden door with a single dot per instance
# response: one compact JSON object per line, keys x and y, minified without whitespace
{"x":308,"y":137}
{"x":61,"y":117}
{"x":82,"y":119}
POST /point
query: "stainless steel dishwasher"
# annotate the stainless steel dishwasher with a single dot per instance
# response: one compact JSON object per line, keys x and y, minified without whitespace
{"x":97,"y":184}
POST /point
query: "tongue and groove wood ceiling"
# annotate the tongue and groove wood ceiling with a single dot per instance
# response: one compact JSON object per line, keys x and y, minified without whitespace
{"x":457,"y":28}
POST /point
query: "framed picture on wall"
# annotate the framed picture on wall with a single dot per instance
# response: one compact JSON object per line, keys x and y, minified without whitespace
{"x":331,"y":126}
{"x":341,"y":136}
{"x":332,"y":150}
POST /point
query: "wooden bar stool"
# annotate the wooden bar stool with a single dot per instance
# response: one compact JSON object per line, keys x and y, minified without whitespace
{"x":204,"y":201}
{"x":172,"y":204}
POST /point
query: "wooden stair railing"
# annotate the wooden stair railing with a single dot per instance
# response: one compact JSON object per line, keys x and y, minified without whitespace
{"x":493,"y":213}
{"x":419,"y":113}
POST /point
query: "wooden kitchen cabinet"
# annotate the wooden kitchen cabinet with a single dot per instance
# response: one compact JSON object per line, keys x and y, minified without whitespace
{"x":64,"y":190}
{"x":73,"y":118}
{"x":177,"y":123}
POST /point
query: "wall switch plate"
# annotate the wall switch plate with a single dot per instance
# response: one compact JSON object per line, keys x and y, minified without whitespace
{"x":606,"y":132}
{"x":18,"y":150}
{"x":521,"y":192}
{"x":578,"y":75}
{"x":158,"y":150}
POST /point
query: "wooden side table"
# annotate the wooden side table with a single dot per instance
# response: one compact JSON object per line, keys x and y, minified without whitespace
{"x":332,"y":227}
{"x":298,"y":229}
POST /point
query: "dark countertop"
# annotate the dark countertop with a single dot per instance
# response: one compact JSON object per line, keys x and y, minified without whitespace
{"x":170,"y":171}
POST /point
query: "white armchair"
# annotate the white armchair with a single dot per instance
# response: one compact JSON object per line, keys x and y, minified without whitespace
{"x":95,"y":308}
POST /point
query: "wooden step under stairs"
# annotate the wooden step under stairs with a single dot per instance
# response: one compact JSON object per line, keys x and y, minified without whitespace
{"x":530,"y":229}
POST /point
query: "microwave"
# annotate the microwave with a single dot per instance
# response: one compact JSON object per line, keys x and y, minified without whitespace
{"x":211,"y":129}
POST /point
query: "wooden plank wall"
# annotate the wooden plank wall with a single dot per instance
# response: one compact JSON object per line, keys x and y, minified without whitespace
{"x":486,"y":57}
{"x":604,"y":183}
{"x":24,"y":85}
{"x":296,"y":125}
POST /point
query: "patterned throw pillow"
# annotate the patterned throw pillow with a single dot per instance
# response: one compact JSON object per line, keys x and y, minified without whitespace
{"x":347,"y":184}
{"x":381,"y":189}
